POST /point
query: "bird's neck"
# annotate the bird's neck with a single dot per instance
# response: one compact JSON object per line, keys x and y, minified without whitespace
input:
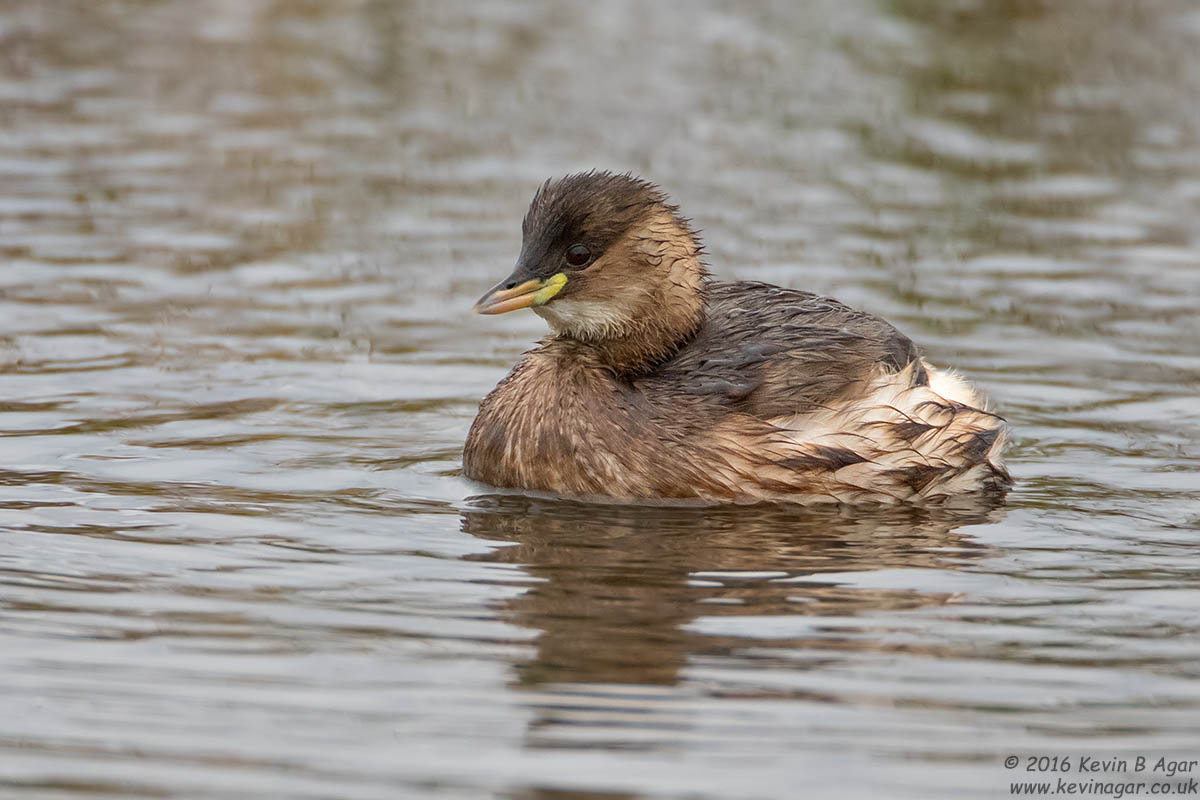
{"x":639,"y":346}
{"x":637,"y":355}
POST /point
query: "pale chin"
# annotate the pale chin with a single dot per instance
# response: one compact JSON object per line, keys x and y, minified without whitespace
{"x":582,"y":319}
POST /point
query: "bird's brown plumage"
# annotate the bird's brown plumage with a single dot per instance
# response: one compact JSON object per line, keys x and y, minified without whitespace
{"x":662,"y":383}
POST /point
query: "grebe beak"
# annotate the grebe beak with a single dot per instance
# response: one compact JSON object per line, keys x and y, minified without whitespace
{"x":505,"y":297}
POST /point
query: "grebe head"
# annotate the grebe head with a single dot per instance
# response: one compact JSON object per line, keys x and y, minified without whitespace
{"x":606,"y":257}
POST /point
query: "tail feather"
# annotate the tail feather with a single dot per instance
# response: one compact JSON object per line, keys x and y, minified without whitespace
{"x":921,"y":434}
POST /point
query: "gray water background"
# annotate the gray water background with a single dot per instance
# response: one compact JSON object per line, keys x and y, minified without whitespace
{"x":239,"y":242}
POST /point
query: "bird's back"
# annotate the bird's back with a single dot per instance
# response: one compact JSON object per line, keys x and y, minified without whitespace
{"x":765,"y":351}
{"x":838,"y":403}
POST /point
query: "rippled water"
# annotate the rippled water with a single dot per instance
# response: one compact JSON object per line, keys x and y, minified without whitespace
{"x":239,"y":245}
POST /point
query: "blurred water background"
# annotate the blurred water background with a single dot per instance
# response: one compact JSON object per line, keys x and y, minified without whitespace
{"x":239,"y":242}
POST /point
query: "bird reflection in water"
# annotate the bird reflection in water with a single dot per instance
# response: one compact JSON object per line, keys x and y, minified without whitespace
{"x":620,"y":586}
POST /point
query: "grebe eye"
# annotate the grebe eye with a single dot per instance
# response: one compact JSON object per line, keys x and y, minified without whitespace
{"x":578,"y":255}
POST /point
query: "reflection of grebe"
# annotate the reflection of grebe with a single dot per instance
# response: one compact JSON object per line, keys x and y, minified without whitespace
{"x":661,"y":383}
{"x":616,"y":589}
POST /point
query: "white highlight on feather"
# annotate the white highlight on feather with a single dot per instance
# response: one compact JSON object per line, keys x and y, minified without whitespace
{"x":952,"y":387}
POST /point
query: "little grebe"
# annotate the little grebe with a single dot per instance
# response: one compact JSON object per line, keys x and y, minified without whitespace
{"x":659,"y":382}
